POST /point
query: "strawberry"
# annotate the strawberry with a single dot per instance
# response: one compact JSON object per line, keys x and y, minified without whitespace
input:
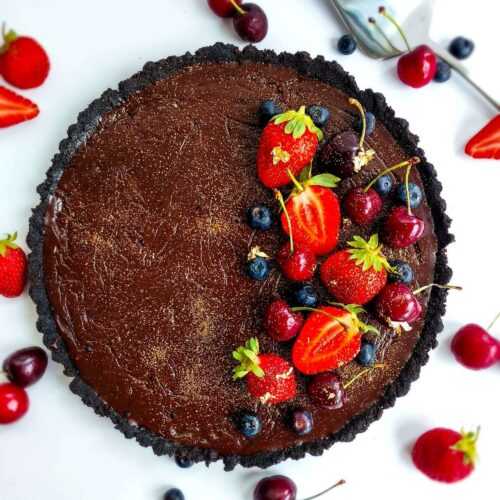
{"x":15,"y":108}
{"x":288,"y":144}
{"x":446,"y":455}
{"x":330,"y":338}
{"x":270,"y":378}
{"x":311,"y":216}
{"x":23,"y":61}
{"x":13,"y":265}
{"x":486,"y":142}
{"x":356,"y":275}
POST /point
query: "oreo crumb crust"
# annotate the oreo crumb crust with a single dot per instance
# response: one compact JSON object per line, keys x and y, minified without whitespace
{"x":319,"y":69}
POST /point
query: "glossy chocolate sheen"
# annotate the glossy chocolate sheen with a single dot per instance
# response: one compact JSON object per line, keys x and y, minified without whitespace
{"x":144,"y":249}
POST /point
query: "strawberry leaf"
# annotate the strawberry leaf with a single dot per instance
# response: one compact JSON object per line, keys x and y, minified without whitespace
{"x":8,"y":242}
{"x":297,"y":122}
{"x":305,"y":174}
{"x":248,"y":356}
{"x":467,"y":445}
{"x":325,"y":180}
{"x":368,"y":254}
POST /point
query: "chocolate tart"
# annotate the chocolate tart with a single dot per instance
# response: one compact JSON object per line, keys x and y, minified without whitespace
{"x":140,"y":239}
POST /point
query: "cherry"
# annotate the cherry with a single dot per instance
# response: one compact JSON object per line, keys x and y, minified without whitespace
{"x":362,"y":206}
{"x":250,"y":22}
{"x":275,"y":488}
{"x":298,"y":265}
{"x":281,"y":322}
{"x":224,"y":8}
{"x":327,"y":391}
{"x":397,"y":302}
{"x":402,"y":228}
{"x":14,"y":403}
{"x":26,"y":366}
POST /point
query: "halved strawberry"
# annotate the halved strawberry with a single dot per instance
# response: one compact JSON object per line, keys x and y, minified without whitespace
{"x":330,"y":338}
{"x":288,"y":144}
{"x":15,"y":108}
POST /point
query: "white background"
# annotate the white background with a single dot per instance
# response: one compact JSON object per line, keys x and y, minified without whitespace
{"x":61,"y":450}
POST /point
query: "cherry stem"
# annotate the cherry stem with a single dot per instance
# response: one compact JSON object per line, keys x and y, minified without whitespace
{"x":445,"y":287}
{"x":493,"y":322}
{"x":239,"y":10}
{"x":361,"y":373}
{"x":357,"y":104}
{"x":407,"y":189}
{"x":296,"y":183}
{"x":281,"y":201}
{"x":382,"y":11}
{"x":338,"y":483}
{"x":382,"y":33}
{"x":412,"y":161}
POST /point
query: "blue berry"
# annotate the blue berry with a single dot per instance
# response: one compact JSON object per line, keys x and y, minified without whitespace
{"x":346,"y":45}
{"x":403,"y":273}
{"x":249,"y":425}
{"x":260,"y":217}
{"x":258,"y":268}
{"x":371,"y":121}
{"x":383,"y":185}
{"x":415,"y":194}
{"x":306,"y":296}
{"x":319,"y":114}
{"x":183,"y":462}
{"x":173,"y":494}
{"x":461,"y":47}
{"x":302,"y":422}
{"x":367,"y":354}
{"x":268,"y":109}
{"x":443,"y":72}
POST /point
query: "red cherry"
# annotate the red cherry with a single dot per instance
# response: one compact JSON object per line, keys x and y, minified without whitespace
{"x":475,"y":348}
{"x":275,"y":488}
{"x":299,"y":265}
{"x":251,"y":24}
{"x":281,"y":322}
{"x":327,"y":391}
{"x":14,"y":403}
{"x":397,"y":302}
{"x":418,"y":67}
{"x":402,"y":228}
{"x":224,"y":8}
{"x":26,"y":366}
{"x":362,"y":206}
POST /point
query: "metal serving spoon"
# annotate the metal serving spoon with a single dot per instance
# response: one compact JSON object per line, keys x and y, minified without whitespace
{"x":376,"y":40}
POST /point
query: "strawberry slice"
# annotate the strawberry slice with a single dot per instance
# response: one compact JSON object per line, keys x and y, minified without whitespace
{"x":15,"y":108}
{"x":486,"y":143}
{"x":330,"y":338}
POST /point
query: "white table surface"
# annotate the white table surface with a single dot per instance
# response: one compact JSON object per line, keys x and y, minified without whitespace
{"x":61,"y":450}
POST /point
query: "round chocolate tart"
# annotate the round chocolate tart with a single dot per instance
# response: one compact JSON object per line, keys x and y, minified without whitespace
{"x":140,"y":241}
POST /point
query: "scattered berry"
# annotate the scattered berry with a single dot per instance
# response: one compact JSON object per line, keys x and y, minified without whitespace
{"x":260,"y":217}
{"x":299,"y":265}
{"x":267,"y":111}
{"x":362,"y":206}
{"x":383,"y":185}
{"x":443,"y":72}
{"x":249,"y":425}
{"x":281,"y":322}
{"x":486,"y":143}
{"x":415,"y":192}
{"x":397,"y":303}
{"x":250,"y":22}
{"x":275,"y":488}
{"x":306,"y":296}
{"x":13,"y":265}
{"x":258,"y":267}
{"x":23,"y":61}
{"x":475,"y":348}
{"x":461,"y":47}
{"x":319,"y":114}
{"x":327,"y":391}
{"x":224,"y":8}
{"x":301,"y":422}
{"x":270,"y":378}
{"x":401,"y":271}
{"x":173,"y":494}
{"x":417,"y":67}
{"x":367,"y":354}
{"x":14,"y":403}
{"x":26,"y":366}
{"x":15,"y":109}
{"x":346,"y":45}
{"x":402,"y":228}
{"x":445,"y":455}
{"x":183,"y":462}
{"x":370,"y":123}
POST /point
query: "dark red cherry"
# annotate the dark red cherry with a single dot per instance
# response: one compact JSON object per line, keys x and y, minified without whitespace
{"x":275,"y":488}
{"x":252,"y":24}
{"x":417,"y":67}
{"x":402,"y":228}
{"x":339,"y":153}
{"x":397,"y":302}
{"x":26,"y":366}
{"x":361,"y":206}
{"x":327,"y":391}
{"x":14,"y":403}
{"x":224,"y":8}
{"x":281,"y":322}
{"x":475,"y":348}
{"x":299,"y":265}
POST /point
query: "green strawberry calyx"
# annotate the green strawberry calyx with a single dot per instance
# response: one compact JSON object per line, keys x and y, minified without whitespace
{"x":468,"y":446}
{"x":248,"y":357}
{"x":7,"y":243}
{"x":8,"y":37}
{"x":297,"y":122}
{"x":307,"y":179}
{"x":368,"y":254}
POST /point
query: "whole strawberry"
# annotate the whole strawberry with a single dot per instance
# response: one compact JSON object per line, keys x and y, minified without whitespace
{"x":270,"y":378}
{"x":288,"y":143}
{"x":12,"y":267}
{"x":356,"y":275}
{"x":446,"y":455}
{"x":23,"y":61}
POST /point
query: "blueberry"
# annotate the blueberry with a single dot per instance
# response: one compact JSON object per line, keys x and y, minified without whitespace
{"x":319,"y":114}
{"x":370,"y":123}
{"x":183,"y":462}
{"x":403,"y":273}
{"x":260,"y":217}
{"x":301,"y":422}
{"x":383,"y":185}
{"x":367,"y":354}
{"x":461,"y":47}
{"x":346,"y":44}
{"x":443,"y":72}
{"x":173,"y":494}
{"x":268,"y":109}
{"x":306,"y":296}
{"x":249,"y":425}
{"x":415,"y":194}
{"x":258,"y":268}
